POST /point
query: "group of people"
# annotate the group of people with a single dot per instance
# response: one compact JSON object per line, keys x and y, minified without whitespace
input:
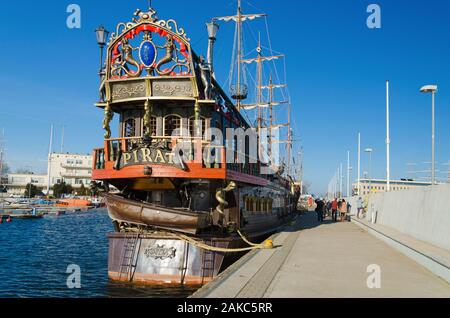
{"x":336,"y":208}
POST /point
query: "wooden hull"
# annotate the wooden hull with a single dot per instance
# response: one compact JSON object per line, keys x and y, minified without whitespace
{"x":160,"y":257}
{"x":162,"y":260}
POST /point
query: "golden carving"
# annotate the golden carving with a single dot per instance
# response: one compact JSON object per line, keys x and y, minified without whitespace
{"x":120,"y":92}
{"x":108,"y":117}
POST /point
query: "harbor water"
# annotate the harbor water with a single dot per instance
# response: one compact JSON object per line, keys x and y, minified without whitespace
{"x":35,"y":256}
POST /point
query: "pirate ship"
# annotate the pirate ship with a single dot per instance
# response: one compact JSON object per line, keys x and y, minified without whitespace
{"x":189,"y":182}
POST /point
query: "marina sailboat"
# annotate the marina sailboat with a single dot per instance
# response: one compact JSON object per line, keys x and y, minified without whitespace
{"x":191,"y":182}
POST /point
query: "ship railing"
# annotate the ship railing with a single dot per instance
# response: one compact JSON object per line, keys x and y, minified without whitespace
{"x":99,"y":158}
{"x":210,"y":155}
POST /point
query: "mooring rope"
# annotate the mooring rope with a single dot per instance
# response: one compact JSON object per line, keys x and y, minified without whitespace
{"x":267,"y":244}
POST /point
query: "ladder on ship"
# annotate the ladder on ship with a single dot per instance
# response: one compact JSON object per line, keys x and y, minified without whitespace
{"x":209,"y":259}
{"x":128,"y":262}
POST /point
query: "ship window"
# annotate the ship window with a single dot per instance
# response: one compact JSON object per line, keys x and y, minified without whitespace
{"x":172,"y":125}
{"x":247,"y":203}
{"x":130,"y":128}
{"x":192,"y":126}
{"x":264,"y":204}
{"x":152,"y":126}
{"x":258,"y":205}
{"x":250,"y":206}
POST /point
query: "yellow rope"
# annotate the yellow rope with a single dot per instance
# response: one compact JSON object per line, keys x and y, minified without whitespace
{"x":268,"y":244}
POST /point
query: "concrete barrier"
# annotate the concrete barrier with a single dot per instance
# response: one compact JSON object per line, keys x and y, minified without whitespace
{"x":422,"y":213}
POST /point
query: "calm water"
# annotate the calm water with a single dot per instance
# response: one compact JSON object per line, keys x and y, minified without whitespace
{"x":34,"y":255}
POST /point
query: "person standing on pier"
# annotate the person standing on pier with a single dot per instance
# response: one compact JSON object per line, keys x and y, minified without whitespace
{"x":343,"y":209}
{"x":334,"y":208}
{"x":320,"y":205}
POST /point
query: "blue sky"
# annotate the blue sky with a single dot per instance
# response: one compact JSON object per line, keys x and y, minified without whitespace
{"x":336,"y":71}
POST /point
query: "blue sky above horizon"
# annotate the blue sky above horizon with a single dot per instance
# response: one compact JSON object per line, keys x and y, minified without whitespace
{"x":336,"y":71}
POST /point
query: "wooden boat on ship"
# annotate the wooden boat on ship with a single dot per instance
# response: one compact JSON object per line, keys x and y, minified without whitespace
{"x":184,"y":194}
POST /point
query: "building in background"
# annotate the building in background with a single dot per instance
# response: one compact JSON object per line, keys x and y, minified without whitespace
{"x":378,"y":185}
{"x":73,"y":169}
{"x":17,"y":182}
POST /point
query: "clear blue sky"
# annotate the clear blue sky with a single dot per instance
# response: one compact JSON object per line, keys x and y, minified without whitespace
{"x":337,"y":69}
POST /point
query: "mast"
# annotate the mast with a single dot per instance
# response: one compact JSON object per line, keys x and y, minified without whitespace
{"x":62,"y":139}
{"x":1,"y":156}
{"x":259,"y":89}
{"x":239,"y":93}
{"x":270,"y":117}
{"x":239,"y":54}
{"x":49,"y":160}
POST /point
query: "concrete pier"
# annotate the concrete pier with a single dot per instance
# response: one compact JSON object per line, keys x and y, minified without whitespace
{"x":325,"y":260}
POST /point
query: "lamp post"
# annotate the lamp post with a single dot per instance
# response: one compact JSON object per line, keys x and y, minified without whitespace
{"x":102,"y":36}
{"x":432,"y":89}
{"x":369,"y":151}
{"x":359,"y":164}
{"x":349,"y":169}
{"x":388,"y":142}
{"x":212,"y":28}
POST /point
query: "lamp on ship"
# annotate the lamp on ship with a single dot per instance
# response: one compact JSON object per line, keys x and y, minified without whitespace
{"x":102,"y":36}
{"x":212,"y":28}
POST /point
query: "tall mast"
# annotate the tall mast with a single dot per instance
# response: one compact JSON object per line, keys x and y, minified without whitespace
{"x":1,"y":155}
{"x":49,"y":167}
{"x":238,"y":93}
{"x":259,"y":89}
{"x":270,"y":117}
{"x":239,"y":54}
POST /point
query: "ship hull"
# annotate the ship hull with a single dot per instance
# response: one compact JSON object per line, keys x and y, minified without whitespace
{"x":164,"y":257}
{"x":160,"y":259}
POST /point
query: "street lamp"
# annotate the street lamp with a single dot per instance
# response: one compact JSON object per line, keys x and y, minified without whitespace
{"x":102,"y":36}
{"x":369,"y":151}
{"x":432,"y":89}
{"x":212,"y":28}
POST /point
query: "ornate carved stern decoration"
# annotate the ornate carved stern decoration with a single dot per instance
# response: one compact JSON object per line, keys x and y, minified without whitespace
{"x":147,"y":59}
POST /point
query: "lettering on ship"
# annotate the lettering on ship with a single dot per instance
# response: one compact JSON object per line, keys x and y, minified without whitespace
{"x":149,"y":156}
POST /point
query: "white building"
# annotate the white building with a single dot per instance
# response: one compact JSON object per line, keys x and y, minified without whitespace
{"x":376,"y":185}
{"x":73,"y":169}
{"x":17,"y":182}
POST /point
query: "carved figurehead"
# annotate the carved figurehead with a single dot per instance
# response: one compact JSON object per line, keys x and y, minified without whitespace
{"x":205,"y":71}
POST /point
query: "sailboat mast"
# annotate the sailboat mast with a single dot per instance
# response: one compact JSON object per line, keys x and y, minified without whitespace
{"x":239,"y":53}
{"x":1,"y":155}
{"x":49,"y":166}
{"x":270,"y":117}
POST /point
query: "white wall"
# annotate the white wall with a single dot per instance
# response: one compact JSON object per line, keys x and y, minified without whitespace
{"x":423,"y":213}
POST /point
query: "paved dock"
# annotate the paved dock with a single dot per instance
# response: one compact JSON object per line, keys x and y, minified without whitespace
{"x":325,"y":260}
